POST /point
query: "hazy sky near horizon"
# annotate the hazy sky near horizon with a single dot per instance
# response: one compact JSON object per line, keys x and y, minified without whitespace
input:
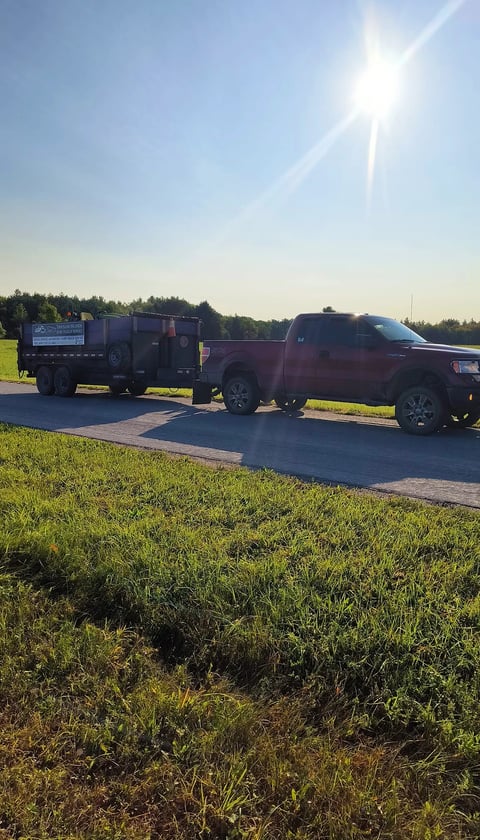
{"x":158,"y":148}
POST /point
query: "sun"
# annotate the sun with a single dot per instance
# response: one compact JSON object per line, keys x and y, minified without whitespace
{"x":377,"y":89}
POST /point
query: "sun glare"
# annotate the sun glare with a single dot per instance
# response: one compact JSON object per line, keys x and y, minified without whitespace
{"x":377,"y":89}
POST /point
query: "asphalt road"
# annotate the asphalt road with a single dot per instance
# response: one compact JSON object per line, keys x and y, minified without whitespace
{"x":331,"y":448}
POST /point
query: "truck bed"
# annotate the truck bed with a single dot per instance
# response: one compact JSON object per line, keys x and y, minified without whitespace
{"x":264,"y":357}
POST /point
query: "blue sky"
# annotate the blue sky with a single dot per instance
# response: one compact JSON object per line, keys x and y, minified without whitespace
{"x":144,"y":146}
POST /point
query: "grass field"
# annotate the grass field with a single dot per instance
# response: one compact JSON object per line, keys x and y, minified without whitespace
{"x":199,"y":653}
{"x":8,"y":360}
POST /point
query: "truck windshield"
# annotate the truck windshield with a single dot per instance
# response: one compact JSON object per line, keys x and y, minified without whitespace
{"x":394,"y":330}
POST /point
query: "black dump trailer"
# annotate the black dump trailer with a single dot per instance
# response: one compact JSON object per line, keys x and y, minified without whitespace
{"x":127,"y":353}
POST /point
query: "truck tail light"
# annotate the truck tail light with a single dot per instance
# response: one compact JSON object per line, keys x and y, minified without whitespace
{"x":171,"y":332}
{"x":204,"y":354}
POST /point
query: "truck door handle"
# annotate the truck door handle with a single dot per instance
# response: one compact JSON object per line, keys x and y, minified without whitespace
{"x":324,"y":354}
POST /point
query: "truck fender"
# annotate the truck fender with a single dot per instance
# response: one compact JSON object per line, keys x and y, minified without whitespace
{"x":414,"y":376}
{"x":236,"y":363}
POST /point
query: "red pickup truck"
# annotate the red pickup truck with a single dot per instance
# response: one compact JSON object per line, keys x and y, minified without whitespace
{"x":346,"y":357}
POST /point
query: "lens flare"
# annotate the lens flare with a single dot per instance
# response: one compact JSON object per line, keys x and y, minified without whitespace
{"x":377,"y":89}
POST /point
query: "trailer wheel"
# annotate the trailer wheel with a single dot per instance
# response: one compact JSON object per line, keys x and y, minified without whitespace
{"x":241,"y":394}
{"x":289,"y":403}
{"x":44,"y":381}
{"x":119,"y":355}
{"x":116,"y":390}
{"x":65,"y":385}
{"x":137,"y":389}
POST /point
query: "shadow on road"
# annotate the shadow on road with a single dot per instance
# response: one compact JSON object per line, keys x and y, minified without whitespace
{"x":333,"y":449}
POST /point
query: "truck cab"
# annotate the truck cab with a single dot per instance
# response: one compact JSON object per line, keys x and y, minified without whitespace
{"x":349,"y":357}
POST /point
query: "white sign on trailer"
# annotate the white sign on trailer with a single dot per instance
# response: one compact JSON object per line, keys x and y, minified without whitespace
{"x":68,"y":333}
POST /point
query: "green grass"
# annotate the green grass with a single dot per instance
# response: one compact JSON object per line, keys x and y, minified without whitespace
{"x":352,"y":408}
{"x":8,"y":360}
{"x":301,"y":662}
{"x":99,"y":740}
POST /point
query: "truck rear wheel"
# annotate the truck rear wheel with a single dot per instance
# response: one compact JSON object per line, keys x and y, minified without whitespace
{"x":420,"y":410}
{"x":241,"y":394}
{"x":65,"y":386}
{"x":44,"y":381}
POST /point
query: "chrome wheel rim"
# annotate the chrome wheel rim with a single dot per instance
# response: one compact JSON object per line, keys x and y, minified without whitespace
{"x":419,"y":410}
{"x":238,"y":395}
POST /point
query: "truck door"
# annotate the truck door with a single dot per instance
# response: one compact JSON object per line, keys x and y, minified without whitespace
{"x":332,"y":356}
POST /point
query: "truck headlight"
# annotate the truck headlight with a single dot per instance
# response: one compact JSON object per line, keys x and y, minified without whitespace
{"x":466,"y":366}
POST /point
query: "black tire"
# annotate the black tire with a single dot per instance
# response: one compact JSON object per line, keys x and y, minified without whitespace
{"x":463,"y":420}
{"x":44,"y":381}
{"x":65,"y":385}
{"x":420,"y":410}
{"x":119,"y":355}
{"x":116,"y":390}
{"x":290,"y":404}
{"x":137,"y":389}
{"x":241,"y":394}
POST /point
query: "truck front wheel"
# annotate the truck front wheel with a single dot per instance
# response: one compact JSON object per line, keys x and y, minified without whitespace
{"x":44,"y":381}
{"x":65,"y":386}
{"x":241,"y":394}
{"x":420,"y":410}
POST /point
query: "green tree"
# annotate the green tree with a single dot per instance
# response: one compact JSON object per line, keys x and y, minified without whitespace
{"x":48,"y":313}
{"x":212,"y":322}
{"x":278,"y":329}
{"x":3,"y":331}
{"x":240,"y":327}
{"x":167,"y":306}
{"x":20,"y":314}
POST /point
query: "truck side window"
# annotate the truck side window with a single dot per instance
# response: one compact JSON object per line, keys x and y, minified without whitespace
{"x":337,"y":331}
{"x":308,"y":331}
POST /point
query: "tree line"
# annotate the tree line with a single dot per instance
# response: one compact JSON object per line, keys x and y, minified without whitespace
{"x":447,"y":331}
{"x":24,"y":306}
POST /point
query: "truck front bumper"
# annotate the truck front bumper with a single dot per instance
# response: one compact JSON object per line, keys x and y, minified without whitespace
{"x":464,"y":399}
